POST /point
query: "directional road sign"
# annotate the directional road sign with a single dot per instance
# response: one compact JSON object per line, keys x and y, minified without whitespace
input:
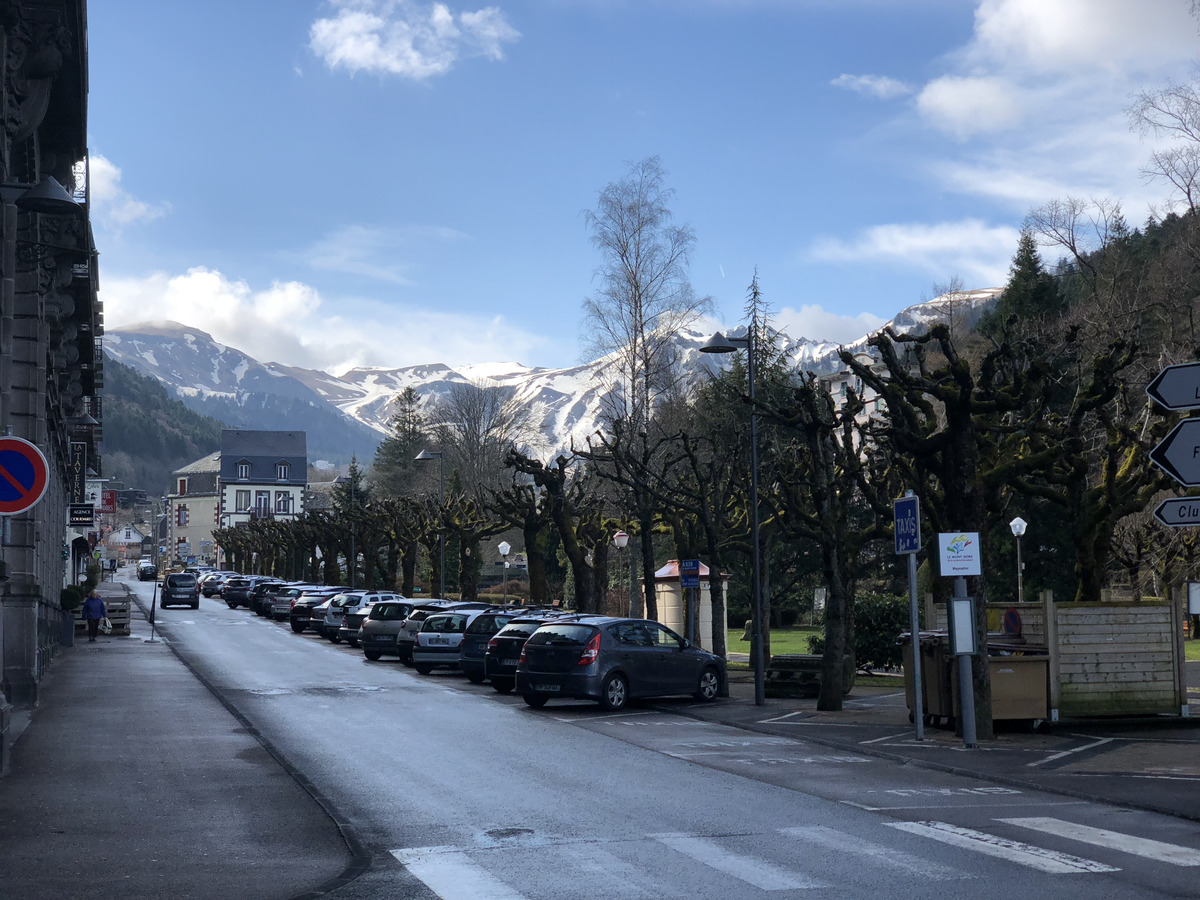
{"x":1177,"y":387}
{"x":907,"y":514}
{"x":1179,"y":511}
{"x":23,"y":475}
{"x":1179,"y":453}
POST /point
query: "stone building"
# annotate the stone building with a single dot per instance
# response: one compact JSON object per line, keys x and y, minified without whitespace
{"x":50,"y":322}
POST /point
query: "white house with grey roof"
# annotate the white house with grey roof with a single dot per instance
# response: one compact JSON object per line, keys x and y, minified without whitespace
{"x":262,"y":476}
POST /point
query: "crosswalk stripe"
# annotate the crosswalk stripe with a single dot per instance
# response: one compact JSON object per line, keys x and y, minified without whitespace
{"x":1174,"y":854}
{"x":763,"y":875}
{"x":846,"y":844}
{"x":452,"y":876}
{"x":1049,"y":861}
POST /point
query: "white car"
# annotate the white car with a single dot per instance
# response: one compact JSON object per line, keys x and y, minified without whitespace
{"x":440,"y":639}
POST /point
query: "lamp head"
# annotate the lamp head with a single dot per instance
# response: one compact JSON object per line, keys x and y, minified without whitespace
{"x":718,"y":343}
{"x":48,"y":197}
{"x":504,"y":548}
{"x":620,"y":540}
{"x":425,"y":456}
{"x":1018,"y":526}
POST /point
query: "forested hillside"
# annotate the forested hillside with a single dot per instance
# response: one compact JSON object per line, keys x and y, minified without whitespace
{"x":147,"y":433}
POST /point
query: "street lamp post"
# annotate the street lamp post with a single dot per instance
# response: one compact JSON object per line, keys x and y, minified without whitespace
{"x":504,"y":548}
{"x":621,"y":541}
{"x":425,"y":456}
{"x":1018,"y":528}
{"x":719,"y":343}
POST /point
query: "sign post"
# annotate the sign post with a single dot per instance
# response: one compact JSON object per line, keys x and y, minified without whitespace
{"x":959,"y":558}
{"x":906,"y":513}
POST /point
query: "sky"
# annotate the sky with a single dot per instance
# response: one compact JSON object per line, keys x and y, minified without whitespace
{"x":338,"y":183}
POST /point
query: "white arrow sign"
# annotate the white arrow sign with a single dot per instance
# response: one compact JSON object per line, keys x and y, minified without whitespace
{"x":1179,"y":453}
{"x":1177,"y":387}
{"x":1179,"y":511}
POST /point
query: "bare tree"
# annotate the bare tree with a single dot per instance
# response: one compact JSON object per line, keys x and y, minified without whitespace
{"x":476,"y":424}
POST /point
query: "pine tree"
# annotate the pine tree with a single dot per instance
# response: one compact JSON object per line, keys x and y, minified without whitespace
{"x":392,"y":470}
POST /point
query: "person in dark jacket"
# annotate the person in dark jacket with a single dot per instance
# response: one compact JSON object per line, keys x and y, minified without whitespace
{"x":93,"y":612}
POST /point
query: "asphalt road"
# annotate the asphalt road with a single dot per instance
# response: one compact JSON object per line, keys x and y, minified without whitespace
{"x":453,"y":791}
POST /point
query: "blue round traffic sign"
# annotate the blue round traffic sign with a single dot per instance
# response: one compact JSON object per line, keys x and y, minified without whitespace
{"x":24,"y":475}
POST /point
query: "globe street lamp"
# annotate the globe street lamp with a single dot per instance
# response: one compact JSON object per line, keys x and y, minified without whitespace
{"x":425,"y":456}
{"x":504,"y":548}
{"x":1018,"y":528}
{"x":719,"y":343}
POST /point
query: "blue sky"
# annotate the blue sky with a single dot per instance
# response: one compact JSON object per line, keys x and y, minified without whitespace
{"x":395,"y":182}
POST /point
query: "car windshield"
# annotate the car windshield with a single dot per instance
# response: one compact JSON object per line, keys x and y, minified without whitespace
{"x":563,"y":635}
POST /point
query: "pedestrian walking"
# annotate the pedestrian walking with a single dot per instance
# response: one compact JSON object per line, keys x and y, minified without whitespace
{"x":93,"y":612}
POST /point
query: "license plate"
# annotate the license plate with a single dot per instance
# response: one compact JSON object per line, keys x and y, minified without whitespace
{"x":509,"y":662}
{"x":547,"y":688}
{"x":439,"y":640}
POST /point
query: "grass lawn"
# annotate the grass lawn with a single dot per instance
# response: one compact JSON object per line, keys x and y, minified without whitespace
{"x":1191,"y":651}
{"x":783,"y":640}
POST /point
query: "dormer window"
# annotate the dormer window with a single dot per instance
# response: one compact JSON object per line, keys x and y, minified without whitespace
{"x":243,"y":470}
{"x":281,"y":471}
{"x":182,"y":486}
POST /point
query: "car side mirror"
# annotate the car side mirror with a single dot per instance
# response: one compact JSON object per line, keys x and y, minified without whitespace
{"x":684,"y":644}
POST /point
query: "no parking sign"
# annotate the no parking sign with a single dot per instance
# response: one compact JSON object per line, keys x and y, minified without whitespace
{"x":24,"y":475}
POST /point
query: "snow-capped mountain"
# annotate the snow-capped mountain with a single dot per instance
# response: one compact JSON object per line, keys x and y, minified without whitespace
{"x":349,"y":414}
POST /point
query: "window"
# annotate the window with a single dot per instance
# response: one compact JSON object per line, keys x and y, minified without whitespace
{"x":283,"y":501}
{"x":281,"y":471}
{"x":242,"y":502}
{"x":243,"y":470}
{"x":181,"y":516}
{"x":182,"y":486}
{"x":262,"y":502}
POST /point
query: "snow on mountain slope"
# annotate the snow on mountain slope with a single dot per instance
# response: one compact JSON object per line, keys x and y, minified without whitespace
{"x":567,"y":403}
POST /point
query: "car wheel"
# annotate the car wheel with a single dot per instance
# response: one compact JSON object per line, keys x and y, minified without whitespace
{"x":335,"y":638}
{"x":615,"y":693}
{"x":423,"y":668}
{"x":353,"y":642}
{"x":537,"y":701}
{"x":195,"y":604}
{"x":502,"y":685}
{"x":298,"y":627}
{"x":372,"y":655}
{"x":231,"y":604}
{"x":475,"y":677}
{"x":709,"y":686}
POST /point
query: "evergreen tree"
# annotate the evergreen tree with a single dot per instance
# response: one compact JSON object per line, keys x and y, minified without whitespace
{"x":1030,"y":295}
{"x":392,"y":470}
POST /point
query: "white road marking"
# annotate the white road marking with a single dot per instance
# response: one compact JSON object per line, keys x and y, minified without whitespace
{"x":1174,"y":854}
{"x":452,"y":876}
{"x":890,"y":737}
{"x":1049,"y":861}
{"x":1054,"y":756}
{"x":845,"y":844}
{"x":783,"y":718}
{"x":763,"y":875}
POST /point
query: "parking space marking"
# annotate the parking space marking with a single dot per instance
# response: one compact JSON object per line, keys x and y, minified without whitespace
{"x":758,"y":872}
{"x":1053,"y":756}
{"x":1160,"y":851}
{"x":1052,"y":862}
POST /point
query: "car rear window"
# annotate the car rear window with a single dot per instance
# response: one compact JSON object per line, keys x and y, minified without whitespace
{"x":449,"y":624}
{"x":390,"y":611}
{"x":568,"y":635}
{"x":518,"y":629}
{"x":487,"y":624}
{"x":178,"y":580}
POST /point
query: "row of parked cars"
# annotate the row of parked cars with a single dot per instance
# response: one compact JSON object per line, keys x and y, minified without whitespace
{"x":542,"y":653}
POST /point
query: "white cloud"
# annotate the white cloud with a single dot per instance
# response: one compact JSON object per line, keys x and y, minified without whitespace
{"x":978,"y":252}
{"x":819,"y":324}
{"x":407,"y":38}
{"x":880,"y":86}
{"x":968,"y":106}
{"x":289,"y":323}
{"x":112,"y":204}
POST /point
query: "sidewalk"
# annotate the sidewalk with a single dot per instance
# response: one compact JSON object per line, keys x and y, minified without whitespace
{"x":1148,"y":763}
{"x":131,"y":780}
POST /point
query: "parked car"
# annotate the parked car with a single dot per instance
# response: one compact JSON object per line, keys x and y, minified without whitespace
{"x":211,"y":583}
{"x":613,"y":660}
{"x":354,"y":619}
{"x":475,"y":641}
{"x":346,"y":602}
{"x":505,"y":646}
{"x":421,"y":611}
{"x":147,"y":571}
{"x":262,"y":594}
{"x":298,"y":605}
{"x":381,"y":626}
{"x":439,"y":639}
{"x":179,"y":589}
{"x":236,"y":590}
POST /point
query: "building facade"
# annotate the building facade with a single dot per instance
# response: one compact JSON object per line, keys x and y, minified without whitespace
{"x":263,"y":475}
{"x":50,"y":322}
{"x":192,"y":510}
